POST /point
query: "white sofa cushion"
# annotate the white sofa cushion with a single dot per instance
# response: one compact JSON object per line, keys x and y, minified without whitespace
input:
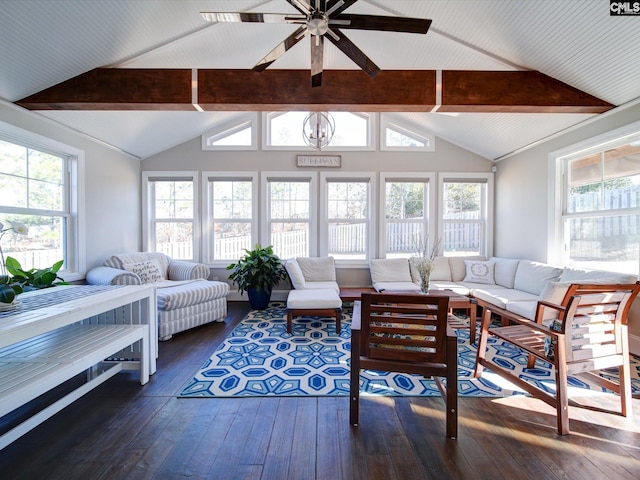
{"x":317,"y":269}
{"x":480,"y":272}
{"x":295,"y":274}
{"x":505,"y":271}
{"x":458,"y":267}
{"x":456,"y":287}
{"x":321,"y":286}
{"x":532,"y":277}
{"x":310,"y":299}
{"x":390,"y":270}
{"x":441,"y":270}
{"x":501,"y":296}
{"x":528,"y":310}
{"x":577,"y":275}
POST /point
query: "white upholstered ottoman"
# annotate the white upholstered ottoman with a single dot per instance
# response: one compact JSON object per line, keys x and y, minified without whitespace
{"x":315,"y":301}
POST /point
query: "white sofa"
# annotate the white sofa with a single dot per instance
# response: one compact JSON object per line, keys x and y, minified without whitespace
{"x":513,"y":286}
{"x":186,"y":298}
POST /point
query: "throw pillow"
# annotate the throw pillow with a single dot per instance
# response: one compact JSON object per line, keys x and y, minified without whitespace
{"x":148,"y":271}
{"x":480,"y":272}
{"x":295,"y":274}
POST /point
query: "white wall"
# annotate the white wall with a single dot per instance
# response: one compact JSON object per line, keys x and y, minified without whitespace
{"x":112,"y":187}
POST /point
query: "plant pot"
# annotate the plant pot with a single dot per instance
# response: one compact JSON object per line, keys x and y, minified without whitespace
{"x":259,"y":298}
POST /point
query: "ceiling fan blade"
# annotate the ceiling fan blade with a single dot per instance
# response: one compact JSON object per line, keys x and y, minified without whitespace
{"x":247,"y":17}
{"x":317,"y":56}
{"x":383,"y":23}
{"x":353,"y":52}
{"x":281,"y":49}
{"x":336,"y":7}
{"x":301,"y":5}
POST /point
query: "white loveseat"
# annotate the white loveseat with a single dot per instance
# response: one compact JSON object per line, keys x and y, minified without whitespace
{"x":186,"y":298}
{"x":512,"y":286}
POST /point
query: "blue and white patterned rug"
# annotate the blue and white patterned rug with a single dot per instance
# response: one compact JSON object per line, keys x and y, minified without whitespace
{"x":259,"y":358}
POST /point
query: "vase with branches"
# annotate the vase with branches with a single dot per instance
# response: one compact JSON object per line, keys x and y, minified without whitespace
{"x":423,"y":262}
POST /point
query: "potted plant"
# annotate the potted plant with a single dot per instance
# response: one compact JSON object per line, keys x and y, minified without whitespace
{"x":257,"y":272}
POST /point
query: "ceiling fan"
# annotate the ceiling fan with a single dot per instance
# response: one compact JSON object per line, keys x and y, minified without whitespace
{"x":320,"y":19}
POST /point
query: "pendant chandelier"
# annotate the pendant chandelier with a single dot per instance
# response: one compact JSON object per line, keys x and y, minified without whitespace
{"x":318,"y":129}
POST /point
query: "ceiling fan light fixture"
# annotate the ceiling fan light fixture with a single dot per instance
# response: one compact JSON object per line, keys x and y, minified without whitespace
{"x":318,"y":129}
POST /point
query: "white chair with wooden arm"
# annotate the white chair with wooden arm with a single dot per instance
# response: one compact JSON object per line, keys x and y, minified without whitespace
{"x":589,"y":334}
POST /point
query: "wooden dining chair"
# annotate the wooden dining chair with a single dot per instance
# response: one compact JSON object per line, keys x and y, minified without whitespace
{"x":409,"y":334}
{"x":589,"y":334}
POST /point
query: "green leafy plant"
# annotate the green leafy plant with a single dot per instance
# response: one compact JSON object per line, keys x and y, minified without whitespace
{"x":259,"y":268}
{"x":34,"y":278}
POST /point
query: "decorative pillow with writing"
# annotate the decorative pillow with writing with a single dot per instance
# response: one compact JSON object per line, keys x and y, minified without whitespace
{"x":480,"y":272}
{"x":148,"y":271}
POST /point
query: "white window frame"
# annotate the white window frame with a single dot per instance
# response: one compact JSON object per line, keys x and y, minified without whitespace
{"x":248,"y":119}
{"x":74,"y":268}
{"x":207,"y":211}
{"x":371,"y":136}
{"x":429,"y":208}
{"x":325,"y":178}
{"x":486,"y":247}
{"x":404,"y":128}
{"x":265,"y":205}
{"x":148,"y":216}
{"x":557,"y":164}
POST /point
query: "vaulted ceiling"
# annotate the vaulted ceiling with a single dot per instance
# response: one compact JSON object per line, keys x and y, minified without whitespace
{"x":584,"y":56}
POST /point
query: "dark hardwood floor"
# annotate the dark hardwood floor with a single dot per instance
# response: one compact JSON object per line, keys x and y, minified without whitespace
{"x":122,"y":430}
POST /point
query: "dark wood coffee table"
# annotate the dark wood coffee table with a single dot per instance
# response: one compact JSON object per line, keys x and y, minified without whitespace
{"x":456,"y":301}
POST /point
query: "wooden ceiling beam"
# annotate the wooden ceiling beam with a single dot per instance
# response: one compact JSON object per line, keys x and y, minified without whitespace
{"x":345,"y":90}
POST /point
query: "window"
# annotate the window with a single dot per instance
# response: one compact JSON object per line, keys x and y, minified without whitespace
{"x":284,"y":131}
{"x":601,"y":214}
{"x":407,"y":209}
{"x":347,"y":223}
{"x":170,"y":209}
{"x":241,"y":133}
{"x":40,"y":189}
{"x":290,"y":218}
{"x":397,"y":136}
{"x":230,"y":215}
{"x":466,"y":213}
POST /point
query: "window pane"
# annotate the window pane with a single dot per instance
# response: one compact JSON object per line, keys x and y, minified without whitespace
{"x":405,"y":224}
{"x":232,"y":201}
{"x":43,"y":244}
{"x":604,"y":182}
{"x":289,"y":200}
{"x":397,"y":139}
{"x":290,"y":240}
{"x":175,"y":239}
{"x":348,"y":200}
{"x":348,"y":241}
{"x":229,"y":240}
{"x":464,"y":218}
{"x":351,"y":129}
{"x":13,"y":159}
{"x":174,"y":199}
{"x":607,"y":242}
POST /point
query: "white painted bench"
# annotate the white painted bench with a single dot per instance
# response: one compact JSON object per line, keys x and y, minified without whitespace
{"x":44,"y":347}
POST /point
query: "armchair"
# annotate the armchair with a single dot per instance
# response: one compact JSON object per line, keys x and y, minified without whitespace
{"x":186,"y":298}
{"x":589,"y":333}
{"x":405,"y":333}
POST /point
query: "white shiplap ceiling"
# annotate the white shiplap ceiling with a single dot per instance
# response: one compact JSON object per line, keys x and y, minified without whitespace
{"x":44,"y":42}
